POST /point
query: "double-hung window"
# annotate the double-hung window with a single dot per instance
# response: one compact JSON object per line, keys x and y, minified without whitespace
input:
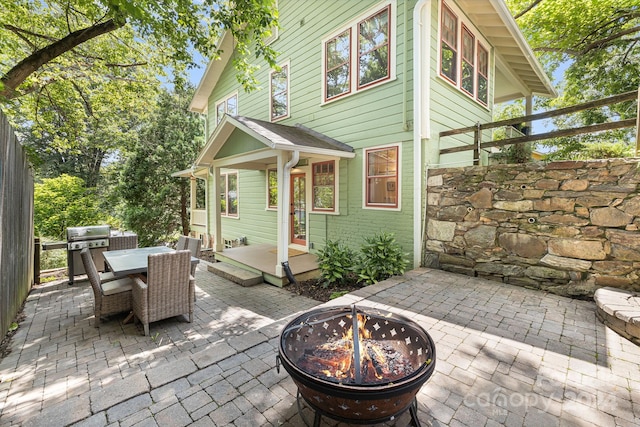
{"x":279,"y":84}
{"x":227,"y":105}
{"x":382,"y":177}
{"x":272,"y":189}
{"x":324,"y":186}
{"x":360,"y":55}
{"x":229,"y":194}
{"x":464,"y":59}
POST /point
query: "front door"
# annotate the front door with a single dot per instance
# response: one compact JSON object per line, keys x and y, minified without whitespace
{"x":298,"y":210}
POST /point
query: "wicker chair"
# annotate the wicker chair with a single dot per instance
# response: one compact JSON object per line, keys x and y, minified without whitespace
{"x":110,"y":297}
{"x":129,"y":241}
{"x":182,"y":243}
{"x":194,"y":246}
{"x":169,"y":289}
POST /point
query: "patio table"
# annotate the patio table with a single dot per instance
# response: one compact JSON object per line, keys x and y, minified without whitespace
{"x":134,"y":261}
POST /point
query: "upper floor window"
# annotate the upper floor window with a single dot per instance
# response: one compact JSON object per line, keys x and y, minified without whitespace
{"x":324,"y":186}
{"x":229,"y":194}
{"x":280,"y":93}
{"x":382,"y":177}
{"x":228,"y":105}
{"x":464,"y":61}
{"x":360,"y":55}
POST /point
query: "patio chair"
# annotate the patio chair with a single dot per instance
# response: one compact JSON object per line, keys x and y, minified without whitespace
{"x":194,"y":246}
{"x":182,"y":243}
{"x":169,"y":289}
{"x":110,"y":296}
{"x":129,"y":241}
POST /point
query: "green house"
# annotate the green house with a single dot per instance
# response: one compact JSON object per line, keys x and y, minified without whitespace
{"x":336,"y":144}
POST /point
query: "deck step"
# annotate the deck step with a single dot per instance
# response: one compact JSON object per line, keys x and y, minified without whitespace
{"x":235,"y":274}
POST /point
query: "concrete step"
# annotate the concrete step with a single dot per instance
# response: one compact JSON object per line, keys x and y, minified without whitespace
{"x":620,"y":310}
{"x":235,"y":274}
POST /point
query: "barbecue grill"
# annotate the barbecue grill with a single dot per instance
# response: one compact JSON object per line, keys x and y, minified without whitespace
{"x":358,"y":365}
{"x":95,"y":237}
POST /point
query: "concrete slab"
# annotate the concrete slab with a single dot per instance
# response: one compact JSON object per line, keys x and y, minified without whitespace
{"x":235,"y":274}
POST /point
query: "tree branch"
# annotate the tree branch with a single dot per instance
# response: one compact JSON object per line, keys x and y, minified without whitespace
{"x":21,"y":71}
{"x":531,"y":6}
{"x":598,"y":44}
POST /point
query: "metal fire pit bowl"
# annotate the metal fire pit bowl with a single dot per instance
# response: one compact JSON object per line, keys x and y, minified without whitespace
{"x":347,"y":400}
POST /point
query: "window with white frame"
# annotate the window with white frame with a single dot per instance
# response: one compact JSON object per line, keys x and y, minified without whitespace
{"x":382,"y":177}
{"x":279,"y":83}
{"x":359,"y":55}
{"x":229,"y":194}
{"x":272,"y":189}
{"x":464,"y":59}
{"x":324,"y":186}
{"x":227,"y":105}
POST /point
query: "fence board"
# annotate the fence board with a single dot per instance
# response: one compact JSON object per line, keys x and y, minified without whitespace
{"x":16,"y":226}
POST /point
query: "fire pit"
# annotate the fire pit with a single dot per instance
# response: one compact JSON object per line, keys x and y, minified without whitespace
{"x":359,"y":365}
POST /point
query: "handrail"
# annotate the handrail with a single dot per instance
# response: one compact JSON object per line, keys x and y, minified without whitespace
{"x":478,"y":128}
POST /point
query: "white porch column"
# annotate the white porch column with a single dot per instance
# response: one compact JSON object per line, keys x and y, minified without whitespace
{"x":192,"y":199}
{"x":218,"y":244}
{"x":284,"y":196}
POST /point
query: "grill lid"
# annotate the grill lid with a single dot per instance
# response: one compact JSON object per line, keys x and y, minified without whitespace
{"x":91,"y":232}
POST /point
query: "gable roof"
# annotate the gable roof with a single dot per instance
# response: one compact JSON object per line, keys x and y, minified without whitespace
{"x":274,"y":136}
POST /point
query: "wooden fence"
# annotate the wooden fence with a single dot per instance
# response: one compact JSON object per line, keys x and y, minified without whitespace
{"x":16,"y":226}
{"x":477,"y":130}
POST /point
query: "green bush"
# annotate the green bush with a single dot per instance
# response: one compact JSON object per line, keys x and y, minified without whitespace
{"x":381,"y":257}
{"x":336,"y":262}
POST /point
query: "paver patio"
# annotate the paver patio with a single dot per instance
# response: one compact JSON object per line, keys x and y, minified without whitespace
{"x":505,"y":356}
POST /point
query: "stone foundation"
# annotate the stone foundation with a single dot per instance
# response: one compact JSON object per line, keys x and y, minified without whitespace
{"x":567,"y":227}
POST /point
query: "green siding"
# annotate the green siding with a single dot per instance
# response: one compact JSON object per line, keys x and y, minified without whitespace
{"x":373,"y":117}
{"x":238,"y":143}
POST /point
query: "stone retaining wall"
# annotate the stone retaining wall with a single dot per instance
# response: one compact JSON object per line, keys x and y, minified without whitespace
{"x":566,"y":227}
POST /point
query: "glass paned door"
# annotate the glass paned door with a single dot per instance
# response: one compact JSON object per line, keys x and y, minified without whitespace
{"x":298,"y":210}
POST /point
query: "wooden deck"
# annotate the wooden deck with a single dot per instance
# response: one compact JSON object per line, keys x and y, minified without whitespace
{"x":262,"y":258}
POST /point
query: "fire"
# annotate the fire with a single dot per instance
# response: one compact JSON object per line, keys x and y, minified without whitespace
{"x":379,"y":361}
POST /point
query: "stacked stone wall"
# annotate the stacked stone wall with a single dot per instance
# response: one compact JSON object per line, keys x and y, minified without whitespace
{"x":565,"y":227}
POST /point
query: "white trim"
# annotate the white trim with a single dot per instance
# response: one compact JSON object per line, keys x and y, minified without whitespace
{"x":397,"y":208}
{"x":286,"y":64}
{"x":353,"y":54}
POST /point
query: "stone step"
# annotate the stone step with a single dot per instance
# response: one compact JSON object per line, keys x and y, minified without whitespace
{"x":235,"y":274}
{"x":620,"y":310}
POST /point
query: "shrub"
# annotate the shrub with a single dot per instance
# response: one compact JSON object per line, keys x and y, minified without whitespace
{"x":381,"y":257}
{"x":336,"y":262}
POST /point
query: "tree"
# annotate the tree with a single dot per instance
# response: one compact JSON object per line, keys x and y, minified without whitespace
{"x":43,"y":41}
{"x":595,"y":45}
{"x":155,"y":203}
{"x":64,"y":202}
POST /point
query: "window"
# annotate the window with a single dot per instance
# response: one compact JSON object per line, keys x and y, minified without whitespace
{"x":280,"y":93}
{"x":382,"y":177}
{"x":272,"y":189}
{"x":228,"y":105}
{"x":364,"y":46}
{"x":324,"y":186}
{"x":449,"y":44}
{"x":229,"y":194}
{"x":464,"y":61}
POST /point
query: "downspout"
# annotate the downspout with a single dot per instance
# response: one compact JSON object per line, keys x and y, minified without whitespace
{"x":419,"y":184}
{"x":283,"y":237}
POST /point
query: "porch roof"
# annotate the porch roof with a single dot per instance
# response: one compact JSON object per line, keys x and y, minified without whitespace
{"x":274,"y":136}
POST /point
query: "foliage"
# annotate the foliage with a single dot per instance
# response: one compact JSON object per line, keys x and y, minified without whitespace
{"x":336,"y":262}
{"x":64,"y":202}
{"x":155,"y":204}
{"x":597,"y":53}
{"x":584,"y":150}
{"x":381,"y":257}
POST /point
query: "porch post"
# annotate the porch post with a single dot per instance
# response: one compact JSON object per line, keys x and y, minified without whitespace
{"x":192,"y":199}
{"x":218,"y":244}
{"x":283,"y":215}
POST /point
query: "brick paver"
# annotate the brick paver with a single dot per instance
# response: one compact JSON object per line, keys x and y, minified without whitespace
{"x":505,"y":356}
